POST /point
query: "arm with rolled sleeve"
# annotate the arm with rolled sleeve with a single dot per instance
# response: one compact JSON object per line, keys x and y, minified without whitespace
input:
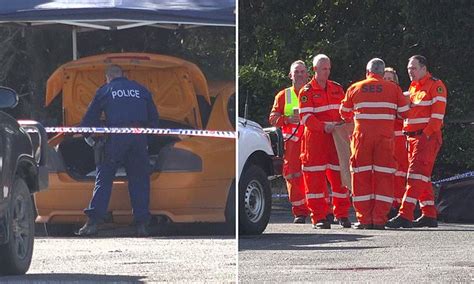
{"x":438,"y":108}
{"x":307,"y":117}
{"x":346,"y":109}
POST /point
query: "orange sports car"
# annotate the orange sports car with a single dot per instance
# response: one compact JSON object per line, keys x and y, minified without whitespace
{"x":192,"y":179}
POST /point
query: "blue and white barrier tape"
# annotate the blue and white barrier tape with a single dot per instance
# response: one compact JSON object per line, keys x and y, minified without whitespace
{"x":131,"y":130}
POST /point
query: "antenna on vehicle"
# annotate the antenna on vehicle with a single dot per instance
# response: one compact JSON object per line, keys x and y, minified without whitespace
{"x":246,"y":107}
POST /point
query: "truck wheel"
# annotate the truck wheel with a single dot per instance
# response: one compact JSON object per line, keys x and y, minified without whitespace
{"x":255,"y":201}
{"x":15,"y":256}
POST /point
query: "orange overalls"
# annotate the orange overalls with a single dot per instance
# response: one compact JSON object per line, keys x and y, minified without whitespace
{"x":373,"y":104}
{"x":318,"y":152}
{"x":423,"y":128}
{"x":291,"y":161}
{"x":401,"y":157}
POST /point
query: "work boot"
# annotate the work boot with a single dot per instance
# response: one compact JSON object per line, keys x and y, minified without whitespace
{"x":299,"y":220}
{"x":142,"y":230}
{"x":344,"y":222}
{"x":330,"y":218}
{"x":424,"y":221}
{"x":392,"y":213}
{"x":89,"y":229}
{"x":322,"y":224}
{"x":360,"y":226}
{"x":378,"y":227}
{"x":399,"y":222}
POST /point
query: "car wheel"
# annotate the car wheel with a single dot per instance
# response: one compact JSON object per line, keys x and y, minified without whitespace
{"x":15,"y":256}
{"x":230,"y":209}
{"x":255,"y":201}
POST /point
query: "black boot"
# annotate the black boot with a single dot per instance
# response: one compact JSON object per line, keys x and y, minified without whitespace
{"x":399,"y":222}
{"x":360,"y":226}
{"x":330,"y":218}
{"x":142,"y":229}
{"x":392,"y":213}
{"x":322,"y":224}
{"x":299,"y":220}
{"x":424,"y":221}
{"x":344,"y":222}
{"x":89,"y":229}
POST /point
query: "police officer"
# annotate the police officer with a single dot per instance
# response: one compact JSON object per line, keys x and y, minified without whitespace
{"x":125,"y":104}
{"x":285,"y":114}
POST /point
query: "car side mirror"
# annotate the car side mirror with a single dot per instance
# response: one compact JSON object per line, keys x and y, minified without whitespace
{"x":8,"y":98}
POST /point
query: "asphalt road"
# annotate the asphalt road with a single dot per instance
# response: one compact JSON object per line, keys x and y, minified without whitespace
{"x":288,"y":252}
{"x":117,"y":257}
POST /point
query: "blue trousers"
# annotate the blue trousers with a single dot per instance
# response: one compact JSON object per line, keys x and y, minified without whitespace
{"x":131,"y":152}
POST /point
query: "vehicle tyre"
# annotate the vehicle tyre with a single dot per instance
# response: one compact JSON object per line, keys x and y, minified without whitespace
{"x":230,"y":209}
{"x":15,"y":256}
{"x":255,"y":201}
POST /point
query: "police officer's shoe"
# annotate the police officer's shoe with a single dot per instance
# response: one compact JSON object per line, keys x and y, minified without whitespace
{"x":142,"y":230}
{"x":344,"y":222}
{"x":399,"y":222}
{"x":424,"y":221}
{"x":360,"y":226}
{"x":322,"y":224}
{"x":299,"y":220}
{"x":89,"y":229}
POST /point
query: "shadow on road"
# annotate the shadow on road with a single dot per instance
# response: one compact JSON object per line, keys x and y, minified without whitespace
{"x":72,"y":277}
{"x":291,"y":241}
{"x":443,"y":227}
{"x":110,"y":230}
{"x":194,"y":229}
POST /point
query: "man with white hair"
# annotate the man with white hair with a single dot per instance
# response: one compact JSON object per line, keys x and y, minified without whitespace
{"x":373,"y":104}
{"x":319,"y":105}
{"x":284,"y":114}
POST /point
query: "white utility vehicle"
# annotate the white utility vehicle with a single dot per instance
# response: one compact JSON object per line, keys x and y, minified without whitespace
{"x":260,"y":159}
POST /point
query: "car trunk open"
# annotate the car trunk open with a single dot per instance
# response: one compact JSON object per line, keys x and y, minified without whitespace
{"x":179,"y":91}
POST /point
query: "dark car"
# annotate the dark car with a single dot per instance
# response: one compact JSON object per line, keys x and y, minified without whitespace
{"x":22,"y":172}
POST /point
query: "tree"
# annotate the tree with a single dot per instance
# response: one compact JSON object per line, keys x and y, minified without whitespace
{"x":272,"y":34}
{"x":30,"y":55}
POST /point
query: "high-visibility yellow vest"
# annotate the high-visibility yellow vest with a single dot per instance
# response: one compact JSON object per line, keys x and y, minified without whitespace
{"x":291,"y":101}
{"x":291,"y":131}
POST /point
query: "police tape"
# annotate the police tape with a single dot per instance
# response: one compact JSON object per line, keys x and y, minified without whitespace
{"x":130,"y":130}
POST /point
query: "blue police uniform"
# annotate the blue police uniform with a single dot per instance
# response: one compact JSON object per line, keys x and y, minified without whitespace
{"x":125,"y":104}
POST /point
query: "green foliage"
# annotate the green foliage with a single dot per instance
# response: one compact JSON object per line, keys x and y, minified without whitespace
{"x":30,"y":55}
{"x":272,"y":34}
